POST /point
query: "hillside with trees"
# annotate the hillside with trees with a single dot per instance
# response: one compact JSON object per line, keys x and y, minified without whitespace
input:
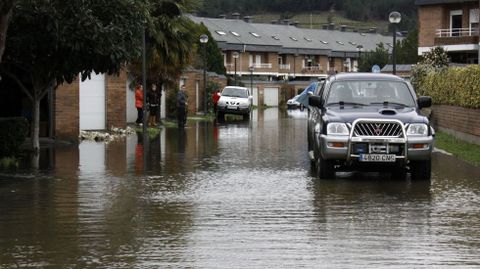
{"x":358,"y":10}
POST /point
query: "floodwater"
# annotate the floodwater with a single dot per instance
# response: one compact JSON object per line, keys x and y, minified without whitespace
{"x":237,"y":195}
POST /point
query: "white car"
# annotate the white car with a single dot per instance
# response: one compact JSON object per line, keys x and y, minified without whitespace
{"x":234,"y":100}
{"x":293,"y":103}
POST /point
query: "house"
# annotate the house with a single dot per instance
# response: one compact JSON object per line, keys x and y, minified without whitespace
{"x":278,"y":55}
{"x":401,"y":70}
{"x":451,"y":24}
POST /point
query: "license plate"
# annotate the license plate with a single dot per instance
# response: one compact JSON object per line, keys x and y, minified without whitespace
{"x":232,"y":107}
{"x":384,"y":158}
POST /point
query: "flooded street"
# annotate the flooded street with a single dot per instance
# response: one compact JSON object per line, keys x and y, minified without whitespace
{"x":237,"y":195}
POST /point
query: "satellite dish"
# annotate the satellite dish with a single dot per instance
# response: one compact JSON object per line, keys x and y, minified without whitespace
{"x":375,"y":69}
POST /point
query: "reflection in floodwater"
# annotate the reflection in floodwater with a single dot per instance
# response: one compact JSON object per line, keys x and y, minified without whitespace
{"x":234,"y":195}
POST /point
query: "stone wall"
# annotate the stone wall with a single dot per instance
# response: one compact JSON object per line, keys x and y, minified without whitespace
{"x":461,"y":122}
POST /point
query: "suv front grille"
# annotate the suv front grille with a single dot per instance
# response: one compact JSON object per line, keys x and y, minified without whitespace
{"x":386,"y":129}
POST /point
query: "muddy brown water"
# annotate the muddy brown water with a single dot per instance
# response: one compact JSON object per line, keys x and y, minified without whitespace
{"x":237,"y":195}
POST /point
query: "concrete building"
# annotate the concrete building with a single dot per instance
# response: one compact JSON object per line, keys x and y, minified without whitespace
{"x":451,"y":24}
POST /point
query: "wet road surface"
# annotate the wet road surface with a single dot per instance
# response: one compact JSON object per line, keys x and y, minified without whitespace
{"x":237,"y":195}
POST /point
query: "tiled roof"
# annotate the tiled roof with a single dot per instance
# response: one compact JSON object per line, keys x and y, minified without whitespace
{"x":240,"y":35}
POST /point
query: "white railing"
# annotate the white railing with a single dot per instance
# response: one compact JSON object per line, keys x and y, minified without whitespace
{"x":316,"y":67}
{"x":229,"y":65}
{"x":284,"y":66}
{"x":455,"y":32}
{"x":262,"y":65}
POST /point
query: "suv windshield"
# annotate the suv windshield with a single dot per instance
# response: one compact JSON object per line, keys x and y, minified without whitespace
{"x":367,"y":92}
{"x":234,"y":92}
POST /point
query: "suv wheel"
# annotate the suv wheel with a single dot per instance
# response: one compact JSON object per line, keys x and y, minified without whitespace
{"x":246,"y":116}
{"x":325,"y":168}
{"x":221,"y":117}
{"x":421,"y":170}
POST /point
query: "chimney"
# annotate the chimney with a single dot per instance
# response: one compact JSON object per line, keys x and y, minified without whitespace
{"x":222,"y":16}
{"x":331,"y":26}
{"x":236,"y":15}
{"x":247,"y":19}
{"x":343,"y":28}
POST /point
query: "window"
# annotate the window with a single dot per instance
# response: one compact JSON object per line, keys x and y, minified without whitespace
{"x":220,"y":32}
{"x":341,"y":43}
{"x":307,"y":39}
{"x":352,"y":43}
{"x":324,"y":42}
{"x":234,"y":33}
{"x":275,"y":37}
{"x":474,"y":20}
{"x":293,"y":38}
{"x":255,"y":34}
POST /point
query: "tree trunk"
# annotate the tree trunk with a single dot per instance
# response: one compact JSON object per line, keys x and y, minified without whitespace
{"x":35,"y":130}
{"x":4,"y":19}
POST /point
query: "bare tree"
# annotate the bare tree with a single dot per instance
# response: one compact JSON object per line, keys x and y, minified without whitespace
{"x":6,"y":7}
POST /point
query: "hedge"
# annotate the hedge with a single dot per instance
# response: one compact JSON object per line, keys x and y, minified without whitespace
{"x":456,"y":86}
{"x":13,"y":132}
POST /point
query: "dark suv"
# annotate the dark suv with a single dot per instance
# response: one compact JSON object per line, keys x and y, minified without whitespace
{"x":372,"y":122}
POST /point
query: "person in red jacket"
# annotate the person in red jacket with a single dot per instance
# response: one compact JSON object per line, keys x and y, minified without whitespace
{"x":215,"y":98}
{"x":139,"y":103}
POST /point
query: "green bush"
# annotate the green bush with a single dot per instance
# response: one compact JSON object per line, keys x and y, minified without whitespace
{"x":13,"y":132}
{"x":456,"y":86}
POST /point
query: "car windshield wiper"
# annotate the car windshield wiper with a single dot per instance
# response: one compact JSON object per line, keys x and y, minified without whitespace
{"x":386,"y":103}
{"x":346,"y":103}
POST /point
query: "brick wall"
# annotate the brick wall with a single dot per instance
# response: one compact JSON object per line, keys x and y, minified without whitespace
{"x":116,"y":100}
{"x":460,"y":121}
{"x":66,"y":115}
{"x":430,"y":18}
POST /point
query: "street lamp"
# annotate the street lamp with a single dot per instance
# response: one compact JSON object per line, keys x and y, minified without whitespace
{"x":394,"y":18}
{"x":359,"y":50}
{"x":235,"y":57}
{"x":203,"y":41}
{"x":251,"y":68}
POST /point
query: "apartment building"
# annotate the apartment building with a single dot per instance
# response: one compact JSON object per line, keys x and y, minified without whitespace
{"x":451,"y":24}
{"x":286,"y":52}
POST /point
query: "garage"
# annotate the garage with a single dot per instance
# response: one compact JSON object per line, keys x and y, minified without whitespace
{"x":92,"y":103}
{"x":254,"y":93}
{"x":271,"y":96}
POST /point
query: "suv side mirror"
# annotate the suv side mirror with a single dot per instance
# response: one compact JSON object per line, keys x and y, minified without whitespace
{"x":315,"y":100}
{"x":424,"y":101}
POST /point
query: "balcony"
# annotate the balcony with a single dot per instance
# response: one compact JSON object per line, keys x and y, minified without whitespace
{"x":262,"y":65}
{"x":312,"y":69}
{"x":456,"y":36}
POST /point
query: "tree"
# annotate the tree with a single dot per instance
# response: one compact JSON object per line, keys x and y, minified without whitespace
{"x":169,"y":46}
{"x":378,"y":57}
{"x":214,"y":57}
{"x":51,"y":42}
{"x":6,"y":7}
{"x":406,"y":51}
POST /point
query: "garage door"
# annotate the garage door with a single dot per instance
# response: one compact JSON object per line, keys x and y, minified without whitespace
{"x":92,"y":103}
{"x":271,"y":96}
{"x":255,"y":96}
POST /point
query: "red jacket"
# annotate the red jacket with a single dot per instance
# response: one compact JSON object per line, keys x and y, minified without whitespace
{"x":139,"y":98}
{"x":216,"y":97}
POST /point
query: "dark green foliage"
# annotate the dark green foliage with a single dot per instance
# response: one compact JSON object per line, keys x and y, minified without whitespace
{"x":378,"y":57}
{"x":214,"y":56}
{"x":12,"y":134}
{"x":361,"y":10}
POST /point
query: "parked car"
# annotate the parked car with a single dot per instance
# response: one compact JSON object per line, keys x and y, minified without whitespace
{"x":234,"y":100}
{"x":293,"y":103}
{"x":369,"y":122}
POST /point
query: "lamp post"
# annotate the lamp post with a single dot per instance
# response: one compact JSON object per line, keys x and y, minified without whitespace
{"x":235,"y":57}
{"x":359,"y":50}
{"x":394,"y":18}
{"x":251,"y":68}
{"x":203,"y":41}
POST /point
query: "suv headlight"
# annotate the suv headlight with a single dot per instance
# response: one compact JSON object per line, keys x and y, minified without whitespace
{"x":337,"y":128}
{"x":417,"y":129}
